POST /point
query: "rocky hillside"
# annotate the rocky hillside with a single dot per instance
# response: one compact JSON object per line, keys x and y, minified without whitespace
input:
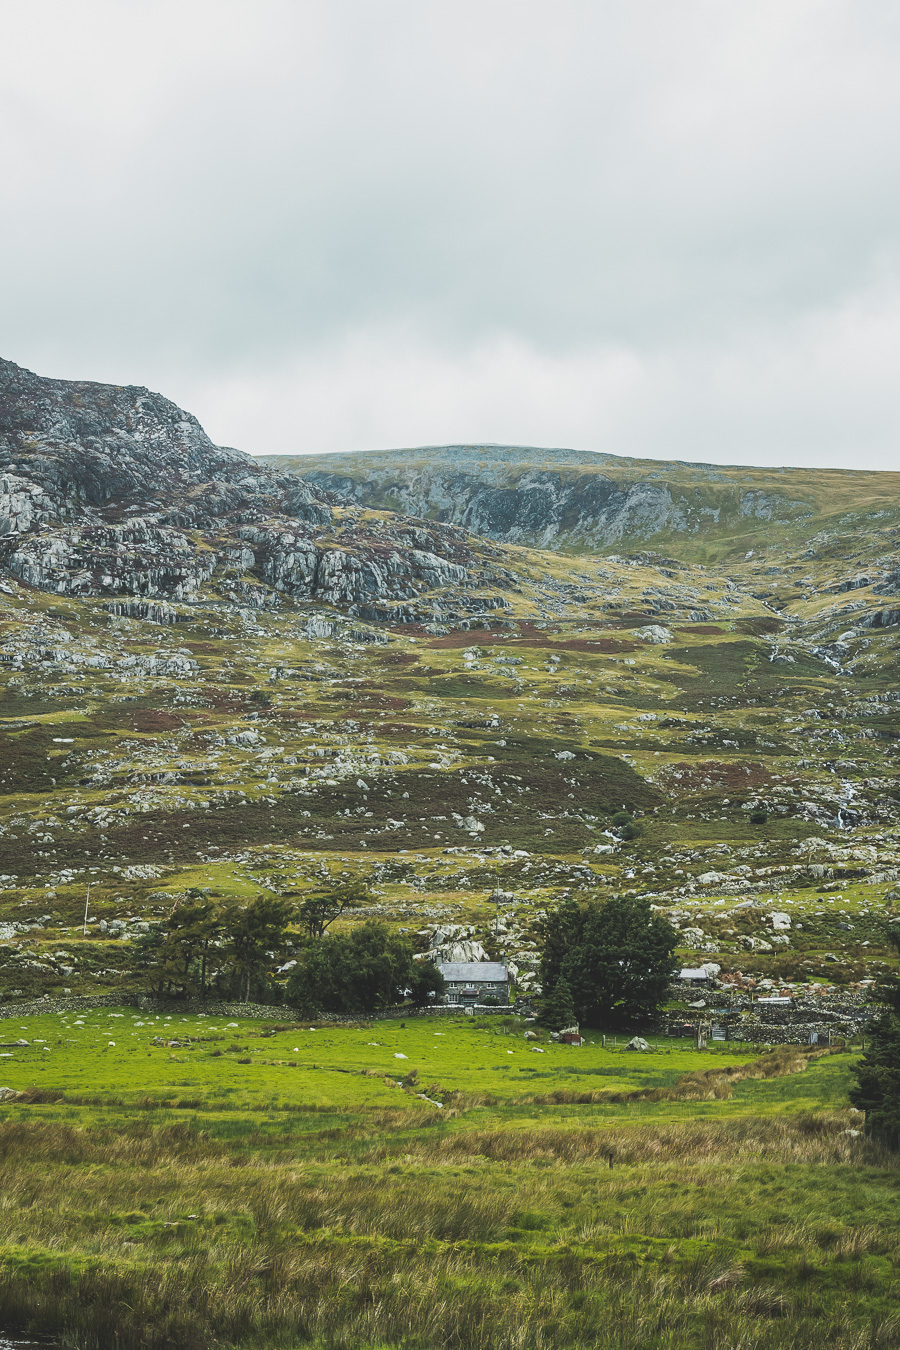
{"x":552,"y":498}
{"x":214,"y":673}
{"x":111,"y":491}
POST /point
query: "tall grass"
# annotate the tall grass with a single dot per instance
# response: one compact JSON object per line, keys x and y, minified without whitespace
{"x":753,"y":1231}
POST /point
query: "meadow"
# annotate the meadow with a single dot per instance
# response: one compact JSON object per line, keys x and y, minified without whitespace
{"x":438,"y":1183}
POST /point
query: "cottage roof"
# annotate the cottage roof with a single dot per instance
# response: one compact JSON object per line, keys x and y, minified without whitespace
{"x":476,"y":972}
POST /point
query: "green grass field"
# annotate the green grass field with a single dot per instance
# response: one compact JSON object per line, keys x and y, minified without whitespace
{"x":289,"y":1187}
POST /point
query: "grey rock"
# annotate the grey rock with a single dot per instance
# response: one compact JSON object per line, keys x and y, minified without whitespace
{"x":525,"y":494}
{"x":105,"y":490}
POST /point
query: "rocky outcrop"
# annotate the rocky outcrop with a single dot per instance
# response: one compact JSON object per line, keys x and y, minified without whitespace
{"x":890,"y":585}
{"x":880,"y":618}
{"x":536,"y":507}
{"x":539,"y":497}
{"x":76,"y":452}
{"x":115,"y":491}
{"x":139,"y":558}
{"x":293,"y":563}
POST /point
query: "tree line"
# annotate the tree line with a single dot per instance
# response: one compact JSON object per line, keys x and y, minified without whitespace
{"x":208,"y":947}
{"x":603,"y":963}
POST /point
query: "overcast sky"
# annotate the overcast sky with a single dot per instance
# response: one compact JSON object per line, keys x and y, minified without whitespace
{"x":650,"y":227}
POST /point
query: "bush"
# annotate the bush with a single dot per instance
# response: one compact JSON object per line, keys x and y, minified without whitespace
{"x":621,"y":818}
{"x":758,"y":817}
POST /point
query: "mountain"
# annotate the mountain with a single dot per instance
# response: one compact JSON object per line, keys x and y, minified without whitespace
{"x":793,"y":538}
{"x":446,"y":672}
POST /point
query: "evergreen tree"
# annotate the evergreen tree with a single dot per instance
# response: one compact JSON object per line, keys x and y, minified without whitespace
{"x":559,"y":1008}
{"x":426,"y":984}
{"x":616,"y":957}
{"x":558,"y":933}
{"x":254,"y":934}
{"x":193,"y":930}
{"x":877,"y":1090}
{"x":148,"y":957}
{"x":318,"y":911}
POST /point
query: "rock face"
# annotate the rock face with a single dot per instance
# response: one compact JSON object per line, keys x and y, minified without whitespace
{"x":524,"y":495}
{"x":535,"y":507}
{"x":70,"y":445}
{"x":115,"y":491}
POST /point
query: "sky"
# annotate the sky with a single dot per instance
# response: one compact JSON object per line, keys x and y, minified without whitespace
{"x":635,"y":226}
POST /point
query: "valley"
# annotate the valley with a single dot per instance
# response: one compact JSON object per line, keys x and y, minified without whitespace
{"x":473,"y":701}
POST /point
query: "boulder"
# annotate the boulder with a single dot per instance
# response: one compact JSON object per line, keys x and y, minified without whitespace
{"x":637,"y":1043}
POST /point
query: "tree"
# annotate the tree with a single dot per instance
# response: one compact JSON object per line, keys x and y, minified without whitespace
{"x":176,"y":951}
{"x":559,"y":1008}
{"x":254,"y":932}
{"x":877,"y":1090}
{"x":148,"y":956}
{"x":320,"y":909}
{"x":426,"y":984}
{"x":361,"y":971}
{"x":558,"y":934}
{"x":616,"y":957}
{"x":194,"y":928}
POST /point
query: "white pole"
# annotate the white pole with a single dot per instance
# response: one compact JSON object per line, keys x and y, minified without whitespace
{"x":86,"y":903}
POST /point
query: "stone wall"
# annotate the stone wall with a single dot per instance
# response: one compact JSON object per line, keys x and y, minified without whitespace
{"x":147,"y":1003}
{"x":263,"y":1011}
{"x":266,"y":1011}
{"x":789,"y":1033}
{"x":38,"y":1006}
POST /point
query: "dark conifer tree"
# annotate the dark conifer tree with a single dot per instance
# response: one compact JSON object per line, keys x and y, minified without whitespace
{"x":877,"y":1090}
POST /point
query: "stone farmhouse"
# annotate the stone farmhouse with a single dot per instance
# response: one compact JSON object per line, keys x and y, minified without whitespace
{"x":472,"y":982}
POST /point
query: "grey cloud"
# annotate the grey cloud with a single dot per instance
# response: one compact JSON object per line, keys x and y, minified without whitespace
{"x":208,"y":195}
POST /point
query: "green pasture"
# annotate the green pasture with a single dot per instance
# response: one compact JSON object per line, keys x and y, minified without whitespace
{"x":280,"y":1188}
{"x":243,"y":1063}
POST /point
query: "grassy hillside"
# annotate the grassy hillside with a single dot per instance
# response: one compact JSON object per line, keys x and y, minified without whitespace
{"x":444,"y":767}
{"x":619,"y":677}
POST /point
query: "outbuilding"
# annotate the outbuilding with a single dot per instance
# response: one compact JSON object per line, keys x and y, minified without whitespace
{"x":694,"y":975}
